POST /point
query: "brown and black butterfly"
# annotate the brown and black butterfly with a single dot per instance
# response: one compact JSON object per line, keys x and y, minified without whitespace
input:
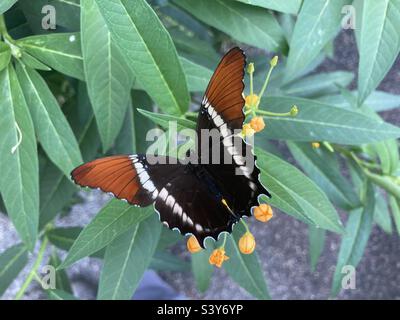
{"x":199,"y":199}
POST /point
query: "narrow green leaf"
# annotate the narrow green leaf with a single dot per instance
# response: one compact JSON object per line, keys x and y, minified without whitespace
{"x":108,"y":86}
{"x":288,"y":183}
{"x":245,"y":269}
{"x":60,"y":295}
{"x":323,"y":168}
{"x":5,"y":55}
{"x":114,"y":219}
{"x":12,"y":261}
{"x":64,"y":238}
{"x":62,"y":281}
{"x":127,"y":258}
{"x":381,"y":212}
{"x":126,"y":139}
{"x":197,"y":76}
{"x":317,"y":23}
{"x":201,"y":267}
{"x":292,"y":6}
{"x":354,"y":241}
{"x":6,"y":4}
{"x":60,"y":51}
{"x":388,"y":153}
{"x":32,"y":62}
{"x":323,"y":122}
{"x":379,"y":43}
{"x":252,"y":25}
{"x":19,"y":179}
{"x":318,"y":84}
{"x":168,"y":238}
{"x":52,"y":128}
{"x":165,"y":261}
{"x":164,"y":119}
{"x":316,"y":241}
{"x":148,"y":48}
{"x":395,"y":207}
{"x":377,"y":100}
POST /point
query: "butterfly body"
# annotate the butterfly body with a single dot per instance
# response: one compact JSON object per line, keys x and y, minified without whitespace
{"x":202,"y":198}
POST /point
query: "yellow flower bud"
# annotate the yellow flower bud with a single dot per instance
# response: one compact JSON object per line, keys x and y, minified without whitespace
{"x":251,"y":100}
{"x":193,"y":245}
{"x":218,"y":257}
{"x":257,"y":124}
{"x":315,"y":145}
{"x":294,"y":111}
{"x":274,"y":61}
{"x":250,"y":68}
{"x":247,"y":130}
{"x":247,"y":243}
{"x":263,"y":212}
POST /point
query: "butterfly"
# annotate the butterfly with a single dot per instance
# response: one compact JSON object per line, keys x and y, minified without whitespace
{"x":199,"y":199}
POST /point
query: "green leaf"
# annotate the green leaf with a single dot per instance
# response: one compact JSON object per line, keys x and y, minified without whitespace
{"x":388,"y":153}
{"x":395,"y":207}
{"x":114,"y":219}
{"x":126,"y":139}
{"x":148,"y":48}
{"x":201,"y":267}
{"x":245,"y":269}
{"x":53,"y":130}
{"x":108,"y":86}
{"x":127,"y":258}
{"x":141,"y":123}
{"x":32,"y":62}
{"x":354,"y":241}
{"x":379,"y":43}
{"x":164,"y":119}
{"x":316,"y":240}
{"x":60,"y":51}
{"x":165,"y":261}
{"x":292,"y":6}
{"x":318,"y":84}
{"x":251,"y":25}
{"x":317,"y":23}
{"x":64,"y":238}
{"x":323,"y":168}
{"x":168,"y":238}
{"x":19,"y":179}
{"x":12,"y":261}
{"x":62,"y":281}
{"x":323,"y":122}
{"x":6,"y":4}
{"x":60,"y":295}
{"x":381,"y":212}
{"x":197,"y":76}
{"x":5,"y":55}
{"x":295,"y":193}
{"x":377,"y":100}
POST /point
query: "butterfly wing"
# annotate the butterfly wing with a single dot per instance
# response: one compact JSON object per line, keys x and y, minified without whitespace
{"x":222,"y":109}
{"x":182,"y":200}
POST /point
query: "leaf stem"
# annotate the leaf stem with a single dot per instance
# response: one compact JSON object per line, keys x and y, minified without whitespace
{"x":265,"y":85}
{"x":35,"y":267}
{"x":273,"y":114}
{"x":245,"y":225}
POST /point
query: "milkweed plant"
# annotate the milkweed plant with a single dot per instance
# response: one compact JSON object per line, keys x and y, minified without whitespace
{"x":84,"y":79}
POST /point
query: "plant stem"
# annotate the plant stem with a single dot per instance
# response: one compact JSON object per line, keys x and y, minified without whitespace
{"x":265,"y":85}
{"x":245,"y":225}
{"x":274,"y":114}
{"x":224,"y":242}
{"x":32,"y":273}
{"x":3,"y":29}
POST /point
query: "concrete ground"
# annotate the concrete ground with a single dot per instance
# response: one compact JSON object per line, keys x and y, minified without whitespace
{"x":282,"y":243}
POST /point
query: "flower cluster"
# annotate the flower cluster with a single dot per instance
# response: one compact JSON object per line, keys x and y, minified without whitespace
{"x":253,"y":113}
{"x":246,"y":243}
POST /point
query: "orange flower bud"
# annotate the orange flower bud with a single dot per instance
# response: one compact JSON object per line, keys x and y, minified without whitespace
{"x":247,"y":130}
{"x":257,"y":123}
{"x":263,"y":212}
{"x":315,"y":145}
{"x":251,"y":100}
{"x":193,"y":245}
{"x":247,"y":243}
{"x":218,"y":257}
